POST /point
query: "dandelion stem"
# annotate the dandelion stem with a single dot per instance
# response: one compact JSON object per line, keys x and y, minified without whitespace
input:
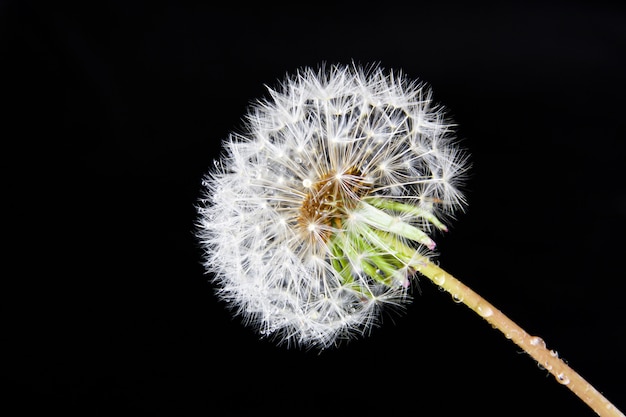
{"x":385,"y":234}
{"x":532,"y":345}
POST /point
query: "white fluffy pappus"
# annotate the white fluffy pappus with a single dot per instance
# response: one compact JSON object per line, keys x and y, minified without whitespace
{"x":312,"y":219}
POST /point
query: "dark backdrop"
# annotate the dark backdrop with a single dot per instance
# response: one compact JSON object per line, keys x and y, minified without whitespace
{"x":116,"y":110}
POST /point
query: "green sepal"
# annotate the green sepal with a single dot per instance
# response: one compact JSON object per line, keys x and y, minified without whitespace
{"x":406,"y":208}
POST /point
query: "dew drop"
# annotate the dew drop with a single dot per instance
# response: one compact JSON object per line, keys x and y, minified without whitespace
{"x":562,"y":378}
{"x":306,"y":183}
{"x":439,"y":279}
{"x":457,"y":298}
{"x":537,"y":341}
{"x":554,"y":353}
{"x":484,"y":311}
{"x":511,"y":334}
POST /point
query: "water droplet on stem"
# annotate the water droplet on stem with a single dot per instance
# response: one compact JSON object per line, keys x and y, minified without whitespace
{"x":439,"y":279}
{"x":562,"y":378}
{"x":537,"y":341}
{"x":484,"y":311}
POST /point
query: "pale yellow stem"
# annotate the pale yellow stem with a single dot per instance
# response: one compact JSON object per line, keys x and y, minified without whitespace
{"x":532,"y":345}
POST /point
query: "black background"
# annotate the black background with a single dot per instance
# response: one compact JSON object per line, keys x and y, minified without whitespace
{"x":116,"y":110}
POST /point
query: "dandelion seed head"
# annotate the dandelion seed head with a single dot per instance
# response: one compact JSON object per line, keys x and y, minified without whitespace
{"x":307,"y":219}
